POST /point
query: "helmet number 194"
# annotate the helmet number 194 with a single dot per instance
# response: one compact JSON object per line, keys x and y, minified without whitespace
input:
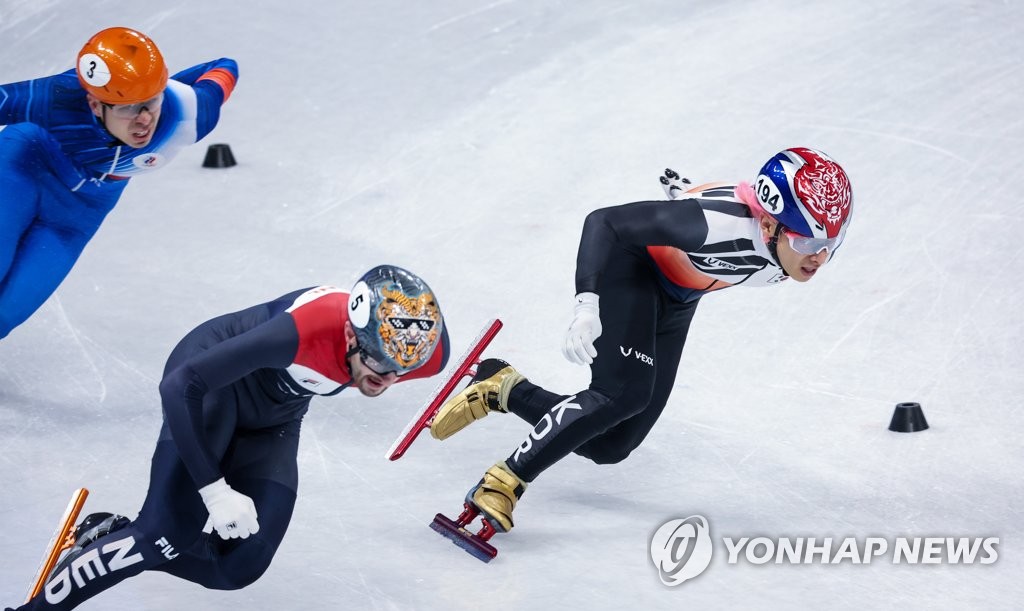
{"x":769,"y":195}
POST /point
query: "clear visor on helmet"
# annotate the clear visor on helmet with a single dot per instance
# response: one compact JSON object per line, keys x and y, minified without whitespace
{"x":130,"y":111}
{"x":376,"y":366}
{"x":812,"y":246}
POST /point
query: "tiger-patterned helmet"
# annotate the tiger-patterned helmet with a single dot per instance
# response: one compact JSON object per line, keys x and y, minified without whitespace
{"x":396,"y":318}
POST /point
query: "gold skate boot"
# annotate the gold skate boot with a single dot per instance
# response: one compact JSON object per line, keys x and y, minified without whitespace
{"x":496,"y":496}
{"x":488,"y":391}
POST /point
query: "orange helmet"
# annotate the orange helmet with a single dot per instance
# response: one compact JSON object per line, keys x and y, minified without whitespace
{"x":121,"y":66}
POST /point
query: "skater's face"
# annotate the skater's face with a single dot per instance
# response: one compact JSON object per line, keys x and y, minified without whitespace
{"x":369,"y":382}
{"x":800,"y":267}
{"x":133,"y":124}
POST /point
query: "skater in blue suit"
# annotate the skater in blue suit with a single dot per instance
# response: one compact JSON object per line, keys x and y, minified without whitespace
{"x":73,"y":141}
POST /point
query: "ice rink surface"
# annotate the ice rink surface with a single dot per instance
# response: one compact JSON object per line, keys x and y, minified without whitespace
{"x":467,"y":141}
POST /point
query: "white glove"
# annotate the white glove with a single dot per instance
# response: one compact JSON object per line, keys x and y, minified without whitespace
{"x":232,"y":513}
{"x":585,"y":328}
{"x":673,"y":185}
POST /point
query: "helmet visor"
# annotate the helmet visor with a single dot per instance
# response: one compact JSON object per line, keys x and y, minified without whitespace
{"x":130,"y":111}
{"x":812,"y":246}
{"x":374,"y":365}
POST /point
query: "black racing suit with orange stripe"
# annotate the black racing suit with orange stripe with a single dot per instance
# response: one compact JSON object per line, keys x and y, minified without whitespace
{"x":650,"y":262}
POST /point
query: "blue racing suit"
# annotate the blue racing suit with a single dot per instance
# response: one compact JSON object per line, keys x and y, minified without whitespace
{"x":61,"y":172}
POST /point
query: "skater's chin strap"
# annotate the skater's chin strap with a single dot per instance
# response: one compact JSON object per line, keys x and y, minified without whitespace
{"x":773,"y":247}
{"x":349,"y":354}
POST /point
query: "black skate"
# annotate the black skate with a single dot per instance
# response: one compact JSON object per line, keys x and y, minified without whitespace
{"x":94,"y":526}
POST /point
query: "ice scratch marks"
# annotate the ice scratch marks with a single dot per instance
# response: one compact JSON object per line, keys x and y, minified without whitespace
{"x":447,"y":22}
{"x":155,"y":20}
{"x":18,"y":14}
{"x":40,"y":27}
{"x":890,"y":135}
{"x":76,"y":337}
{"x":348,"y":198}
{"x":863,"y":316}
{"x":145,"y":377}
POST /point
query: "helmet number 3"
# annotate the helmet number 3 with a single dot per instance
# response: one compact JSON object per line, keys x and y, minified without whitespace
{"x":93,"y":70}
{"x":769,"y":195}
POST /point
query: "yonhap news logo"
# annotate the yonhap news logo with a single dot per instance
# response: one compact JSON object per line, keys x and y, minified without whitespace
{"x":681,"y":549}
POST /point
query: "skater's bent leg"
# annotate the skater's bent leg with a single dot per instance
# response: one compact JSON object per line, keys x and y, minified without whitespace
{"x":44,"y":225}
{"x":233,"y":564}
{"x":19,"y":202}
{"x":616,"y":444}
{"x":43,"y":260}
{"x":569,"y":424}
{"x":20,"y":169}
{"x":530,"y":402}
{"x":19,"y":205}
{"x":170,"y":520}
{"x":623,"y":374}
{"x":102,"y":564}
{"x":262,"y":465}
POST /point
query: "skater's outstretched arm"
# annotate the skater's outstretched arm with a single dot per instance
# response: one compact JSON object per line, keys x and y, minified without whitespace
{"x":213,"y":83}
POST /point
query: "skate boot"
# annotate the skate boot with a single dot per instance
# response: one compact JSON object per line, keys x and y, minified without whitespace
{"x":496,"y":496}
{"x":488,"y":391}
{"x":94,"y":526}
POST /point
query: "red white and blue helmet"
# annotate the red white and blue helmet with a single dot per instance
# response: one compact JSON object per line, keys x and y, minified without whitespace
{"x":807,"y":192}
{"x":396,"y":319}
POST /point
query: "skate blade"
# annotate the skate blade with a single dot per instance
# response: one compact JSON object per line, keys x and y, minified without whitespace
{"x":461,"y":537}
{"x":62,"y":540}
{"x":423,"y":419}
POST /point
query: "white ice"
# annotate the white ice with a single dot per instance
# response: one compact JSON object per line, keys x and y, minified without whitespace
{"x":467,"y":141}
